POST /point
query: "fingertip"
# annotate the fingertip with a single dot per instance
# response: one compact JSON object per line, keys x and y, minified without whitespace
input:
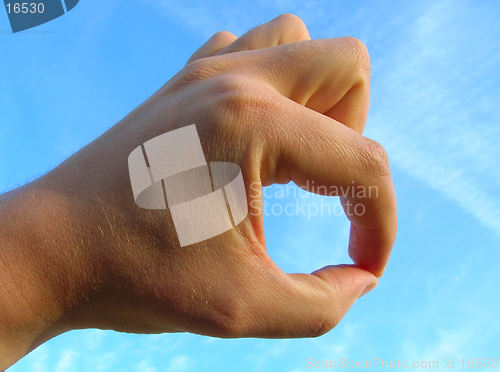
{"x":348,"y":281}
{"x":368,"y":288}
{"x":371,"y":249}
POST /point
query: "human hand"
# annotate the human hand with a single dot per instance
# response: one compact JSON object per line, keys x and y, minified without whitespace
{"x":282,"y":107}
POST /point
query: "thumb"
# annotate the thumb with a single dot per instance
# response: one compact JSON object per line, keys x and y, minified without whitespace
{"x":310,"y":305}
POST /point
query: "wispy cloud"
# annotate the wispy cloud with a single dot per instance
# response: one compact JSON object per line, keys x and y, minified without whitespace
{"x":448,"y":346}
{"x":205,"y":18}
{"x":145,"y":366}
{"x":179,"y":363}
{"x":66,"y":361}
{"x":434,"y":105}
{"x":435,"y":84}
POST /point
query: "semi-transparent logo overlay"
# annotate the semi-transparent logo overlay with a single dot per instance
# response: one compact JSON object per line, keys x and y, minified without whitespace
{"x":29,"y":14}
{"x":205,"y":199}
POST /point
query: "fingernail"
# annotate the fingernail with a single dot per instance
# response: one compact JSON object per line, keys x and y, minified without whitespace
{"x":368,"y":288}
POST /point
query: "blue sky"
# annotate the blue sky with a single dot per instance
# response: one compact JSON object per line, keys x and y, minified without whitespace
{"x":435,"y":94}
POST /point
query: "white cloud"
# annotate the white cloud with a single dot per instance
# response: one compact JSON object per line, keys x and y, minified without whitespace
{"x":66,"y":363}
{"x":179,"y":363}
{"x":435,"y":95}
{"x":434,"y":106}
{"x":449,"y":345}
{"x":144,"y":366}
{"x":205,"y":18}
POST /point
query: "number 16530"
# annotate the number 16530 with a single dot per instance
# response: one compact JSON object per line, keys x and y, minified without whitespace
{"x":25,"y":8}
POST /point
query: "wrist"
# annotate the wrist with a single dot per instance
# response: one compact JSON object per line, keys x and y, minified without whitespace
{"x":39,"y":275}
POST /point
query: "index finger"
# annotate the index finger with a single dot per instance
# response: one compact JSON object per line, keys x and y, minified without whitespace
{"x":325,"y":157}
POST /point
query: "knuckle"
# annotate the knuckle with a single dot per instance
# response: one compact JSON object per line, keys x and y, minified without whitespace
{"x":223,"y":38}
{"x":234,"y":100}
{"x":239,"y":94}
{"x":375,"y":160}
{"x":236,"y":109}
{"x":231,"y":84}
{"x":290,"y":19}
{"x":199,"y":70}
{"x":292,"y":23}
{"x":359,"y":55}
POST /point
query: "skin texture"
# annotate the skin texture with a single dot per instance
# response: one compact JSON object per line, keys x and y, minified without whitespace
{"x":76,"y":252}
